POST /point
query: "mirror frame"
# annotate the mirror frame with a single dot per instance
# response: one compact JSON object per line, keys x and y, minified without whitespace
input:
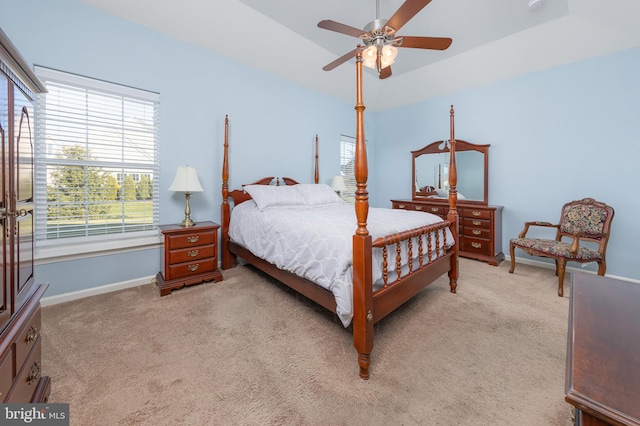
{"x":461,"y":146}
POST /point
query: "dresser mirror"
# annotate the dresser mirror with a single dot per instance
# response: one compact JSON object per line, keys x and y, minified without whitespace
{"x":430,"y":170}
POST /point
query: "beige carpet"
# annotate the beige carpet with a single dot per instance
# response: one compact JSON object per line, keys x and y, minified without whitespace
{"x":247,"y":351}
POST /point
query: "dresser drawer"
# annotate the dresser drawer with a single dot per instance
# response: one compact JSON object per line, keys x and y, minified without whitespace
{"x":6,"y":374}
{"x":187,"y":269}
{"x":27,"y":337}
{"x":401,"y":205}
{"x":191,"y":254}
{"x":27,"y":380}
{"x":179,"y":241}
{"x":476,"y":223}
{"x":477,"y":232}
{"x":476,"y":213}
{"x":476,"y":245}
{"x":437,"y":210}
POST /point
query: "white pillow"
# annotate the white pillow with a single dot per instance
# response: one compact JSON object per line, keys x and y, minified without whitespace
{"x":319,"y":194}
{"x":272,"y":196}
{"x":442,"y":192}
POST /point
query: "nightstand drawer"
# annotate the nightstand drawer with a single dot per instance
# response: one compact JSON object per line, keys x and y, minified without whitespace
{"x":183,"y":270}
{"x":191,"y":254}
{"x":190,"y":240}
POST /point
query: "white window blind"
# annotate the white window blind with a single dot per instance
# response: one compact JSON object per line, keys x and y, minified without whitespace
{"x":347,"y":166}
{"x":96,"y":160}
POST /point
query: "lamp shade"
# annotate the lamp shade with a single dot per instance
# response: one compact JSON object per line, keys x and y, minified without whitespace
{"x":338,"y":184}
{"x":186,"y":180}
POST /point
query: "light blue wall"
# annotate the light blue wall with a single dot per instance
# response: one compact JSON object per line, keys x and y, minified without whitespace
{"x":555,"y":136}
{"x":273,"y":122}
{"x":558,"y":135}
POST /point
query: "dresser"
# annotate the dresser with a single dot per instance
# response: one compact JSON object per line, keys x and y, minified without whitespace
{"x":21,"y":369}
{"x":602,"y":379}
{"x":190,"y":256}
{"x":479,"y":227}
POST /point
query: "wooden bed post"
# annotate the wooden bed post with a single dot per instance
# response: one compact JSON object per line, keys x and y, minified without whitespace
{"x":452,"y":216}
{"x":362,"y":279}
{"x":228,"y":259}
{"x":316,"y":172}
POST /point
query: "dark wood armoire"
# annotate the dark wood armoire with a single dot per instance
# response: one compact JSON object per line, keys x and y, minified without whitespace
{"x":21,"y":375}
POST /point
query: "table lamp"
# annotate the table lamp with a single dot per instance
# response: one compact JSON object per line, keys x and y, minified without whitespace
{"x":186,"y":181}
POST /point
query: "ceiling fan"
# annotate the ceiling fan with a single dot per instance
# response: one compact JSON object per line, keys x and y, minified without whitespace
{"x":381,"y":40}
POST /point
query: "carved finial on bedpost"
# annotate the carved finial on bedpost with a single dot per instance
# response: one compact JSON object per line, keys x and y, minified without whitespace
{"x":361,"y":171}
{"x":316,"y":172}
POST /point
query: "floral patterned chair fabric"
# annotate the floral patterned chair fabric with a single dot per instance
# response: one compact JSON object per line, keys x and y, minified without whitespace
{"x":581,"y":221}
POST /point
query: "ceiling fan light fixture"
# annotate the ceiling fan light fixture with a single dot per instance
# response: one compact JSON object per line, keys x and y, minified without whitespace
{"x":370,"y":56}
{"x":389,"y":53}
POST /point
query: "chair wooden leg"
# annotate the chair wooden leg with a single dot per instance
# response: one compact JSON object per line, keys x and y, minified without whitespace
{"x":561,"y":266}
{"x":512,"y":253}
{"x":602,"y":268}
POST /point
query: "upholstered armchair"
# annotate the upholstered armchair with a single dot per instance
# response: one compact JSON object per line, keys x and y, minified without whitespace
{"x":581,"y":221}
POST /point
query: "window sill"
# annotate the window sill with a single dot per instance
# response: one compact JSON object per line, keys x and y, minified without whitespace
{"x":67,"y":252}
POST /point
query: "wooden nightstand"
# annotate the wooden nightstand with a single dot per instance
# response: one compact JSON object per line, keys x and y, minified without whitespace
{"x":190,"y":256}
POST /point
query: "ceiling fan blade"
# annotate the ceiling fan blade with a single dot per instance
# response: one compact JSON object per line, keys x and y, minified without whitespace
{"x":385,"y":72}
{"x":330,"y":25}
{"x":435,"y":43}
{"x":341,"y":60}
{"x":405,"y":12}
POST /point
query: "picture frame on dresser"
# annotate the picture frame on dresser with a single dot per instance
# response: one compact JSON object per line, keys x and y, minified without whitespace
{"x":480,"y":224}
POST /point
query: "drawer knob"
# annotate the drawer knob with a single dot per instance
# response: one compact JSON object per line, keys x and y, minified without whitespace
{"x":434,"y":209}
{"x":477,"y":222}
{"x":476,"y":214}
{"x":193,"y":253}
{"x":476,"y":232}
{"x":32,"y":333}
{"x":34,"y":372}
{"x":476,"y":245}
{"x":418,"y":207}
{"x":193,"y":239}
{"x":401,"y":206}
{"x":193,"y":267}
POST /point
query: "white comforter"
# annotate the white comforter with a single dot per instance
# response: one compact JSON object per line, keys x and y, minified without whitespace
{"x":316,"y":243}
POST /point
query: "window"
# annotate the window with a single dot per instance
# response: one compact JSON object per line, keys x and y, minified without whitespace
{"x":96,"y":160}
{"x":347,"y":166}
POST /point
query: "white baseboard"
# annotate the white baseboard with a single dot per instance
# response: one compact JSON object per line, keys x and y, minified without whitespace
{"x":548,"y":265}
{"x":74,"y":295}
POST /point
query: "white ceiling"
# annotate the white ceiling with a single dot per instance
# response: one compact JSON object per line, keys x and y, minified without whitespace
{"x":492,"y":39}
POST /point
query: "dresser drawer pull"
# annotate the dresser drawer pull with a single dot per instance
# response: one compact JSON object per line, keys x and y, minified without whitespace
{"x":193,"y":239}
{"x":477,"y":222}
{"x":31,"y":334}
{"x":476,"y":214}
{"x":34,"y":372}
{"x":476,"y":232}
{"x":476,"y":245}
{"x":401,"y":206}
{"x":193,"y":253}
{"x":418,"y":207}
{"x":193,"y":267}
{"x":434,"y":209}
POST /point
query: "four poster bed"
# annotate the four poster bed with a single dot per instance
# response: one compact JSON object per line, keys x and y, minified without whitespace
{"x":361,"y":277}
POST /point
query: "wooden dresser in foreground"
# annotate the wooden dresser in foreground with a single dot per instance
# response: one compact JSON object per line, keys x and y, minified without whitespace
{"x":479,"y":230}
{"x":603,"y":351}
{"x":190,"y":256}
{"x":21,"y":379}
